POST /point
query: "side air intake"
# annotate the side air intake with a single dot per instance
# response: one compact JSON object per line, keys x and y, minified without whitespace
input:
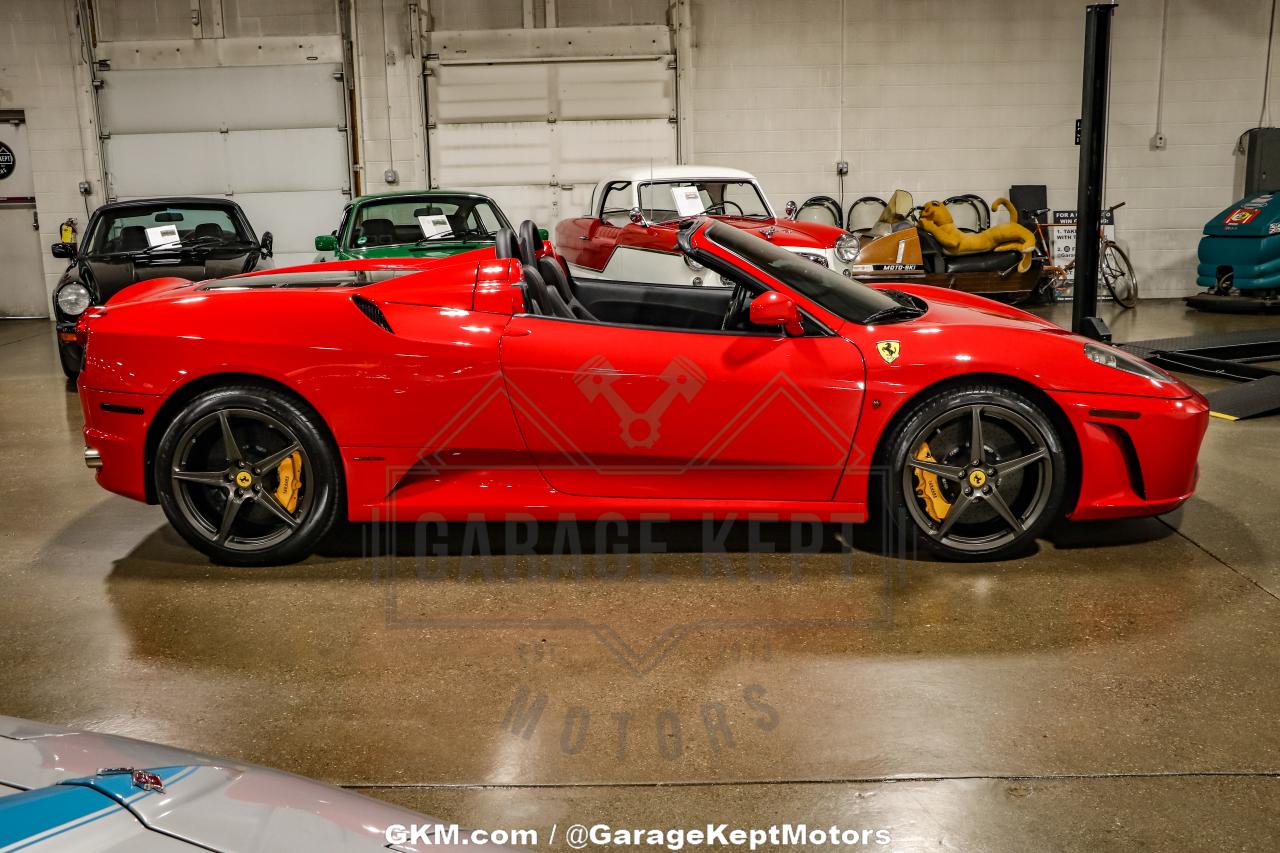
{"x":371,"y":310}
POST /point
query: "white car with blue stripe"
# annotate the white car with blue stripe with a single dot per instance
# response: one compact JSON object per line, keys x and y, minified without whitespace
{"x":81,"y":792}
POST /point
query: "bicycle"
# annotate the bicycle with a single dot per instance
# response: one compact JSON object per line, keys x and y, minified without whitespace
{"x":1114,"y":268}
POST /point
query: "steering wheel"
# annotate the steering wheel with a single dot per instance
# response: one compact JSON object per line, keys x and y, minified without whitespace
{"x":738,"y":311}
{"x":724,"y":211}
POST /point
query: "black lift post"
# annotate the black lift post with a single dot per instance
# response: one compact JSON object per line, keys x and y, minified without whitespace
{"x":1093,"y":150}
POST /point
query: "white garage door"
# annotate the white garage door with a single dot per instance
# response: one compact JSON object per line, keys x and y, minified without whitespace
{"x":271,"y":138}
{"x":538,"y":135}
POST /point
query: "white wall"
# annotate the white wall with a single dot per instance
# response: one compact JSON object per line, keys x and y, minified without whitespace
{"x":941,"y":98}
{"x":42,"y":73}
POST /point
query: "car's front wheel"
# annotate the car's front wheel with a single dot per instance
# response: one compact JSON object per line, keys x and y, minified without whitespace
{"x":247,"y":475}
{"x":975,"y":473}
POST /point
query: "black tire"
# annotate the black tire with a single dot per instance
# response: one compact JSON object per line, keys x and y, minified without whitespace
{"x":69,"y":358}
{"x":196,"y":476}
{"x":1015,"y":430}
{"x":1118,"y":275}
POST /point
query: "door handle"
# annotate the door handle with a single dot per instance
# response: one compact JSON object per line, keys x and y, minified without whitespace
{"x":516,"y":333}
{"x":583,"y":237}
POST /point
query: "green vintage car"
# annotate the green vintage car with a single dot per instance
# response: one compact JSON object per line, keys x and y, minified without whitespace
{"x":412,"y":224}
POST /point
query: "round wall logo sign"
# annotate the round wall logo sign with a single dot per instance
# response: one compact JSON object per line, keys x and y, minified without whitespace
{"x":7,"y":161}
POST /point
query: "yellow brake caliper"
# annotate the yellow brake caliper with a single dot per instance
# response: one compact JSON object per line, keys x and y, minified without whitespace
{"x":290,"y":474}
{"x":927,"y":488}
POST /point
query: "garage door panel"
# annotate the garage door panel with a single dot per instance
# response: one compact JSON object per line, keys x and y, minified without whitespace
{"x":216,"y":163}
{"x":286,"y":160}
{"x":193,"y":99}
{"x":162,"y":164}
{"x":490,"y":93}
{"x":294,"y":219}
{"x":521,"y":202}
{"x":493,"y":154}
{"x":589,"y":150}
{"x":491,"y":131}
{"x":620,"y":89}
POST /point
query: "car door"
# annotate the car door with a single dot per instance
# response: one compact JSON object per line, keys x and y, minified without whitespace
{"x":636,"y":412}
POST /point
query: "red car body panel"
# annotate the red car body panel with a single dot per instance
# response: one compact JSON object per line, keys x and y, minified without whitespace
{"x":471,"y":408}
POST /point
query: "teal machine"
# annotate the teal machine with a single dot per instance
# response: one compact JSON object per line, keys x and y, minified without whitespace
{"x":1240,"y":258}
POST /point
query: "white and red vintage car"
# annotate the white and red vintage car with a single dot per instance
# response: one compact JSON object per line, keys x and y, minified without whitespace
{"x":629,"y":234}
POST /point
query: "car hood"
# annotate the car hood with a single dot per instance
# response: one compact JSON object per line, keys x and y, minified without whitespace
{"x":222,"y":805}
{"x":988,"y":336}
{"x":956,"y":308}
{"x":782,"y":232}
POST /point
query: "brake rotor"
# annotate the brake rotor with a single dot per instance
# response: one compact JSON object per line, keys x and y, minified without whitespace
{"x":928,"y":489}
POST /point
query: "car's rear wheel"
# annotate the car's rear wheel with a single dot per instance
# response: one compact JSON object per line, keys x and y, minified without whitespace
{"x":248,"y":476}
{"x":975,"y":473}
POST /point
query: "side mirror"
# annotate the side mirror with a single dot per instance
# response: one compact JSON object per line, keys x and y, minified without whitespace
{"x":63,"y":250}
{"x":267,"y":243}
{"x":774,"y":309}
{"x":636,"y":216}
{"x":791,"y":209}
{"x":326,"y":243}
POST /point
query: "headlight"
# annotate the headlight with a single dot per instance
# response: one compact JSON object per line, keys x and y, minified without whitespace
{"x":1120,"y":360}
{"x":73,"y":298}
{"x":847,"y":248}
{"x":692,"y":264}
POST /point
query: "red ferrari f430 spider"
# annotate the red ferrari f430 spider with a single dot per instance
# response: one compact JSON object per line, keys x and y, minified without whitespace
{"x":258,"y":409}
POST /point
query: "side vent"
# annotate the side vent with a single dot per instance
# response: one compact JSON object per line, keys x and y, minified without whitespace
{"x":371,"y":310}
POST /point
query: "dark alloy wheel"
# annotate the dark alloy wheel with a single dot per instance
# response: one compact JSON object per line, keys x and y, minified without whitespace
{"x":976,"y":473}
{"x":246,"y":475}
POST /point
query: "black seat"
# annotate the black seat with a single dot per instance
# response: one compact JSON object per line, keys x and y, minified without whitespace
{"x":935,"y":261}
{"x":378,"y":232}
{"x":208,"y":229}
{"x":985,"y":262}
{"x":530,"y":243}
{"x":559,"y":293}
{"x":555,"y":277}
{"x":504,"y":244}
{"x":133,"y":238}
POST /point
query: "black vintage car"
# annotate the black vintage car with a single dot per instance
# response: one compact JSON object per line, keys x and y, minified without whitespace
{"x":131,"y":241}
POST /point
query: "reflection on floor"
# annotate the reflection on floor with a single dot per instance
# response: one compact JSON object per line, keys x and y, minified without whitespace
{"x":1117,"y":690}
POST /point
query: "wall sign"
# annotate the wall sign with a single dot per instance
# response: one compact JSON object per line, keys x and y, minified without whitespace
{"x":7,"y":161}
{"x":1062,"y":237}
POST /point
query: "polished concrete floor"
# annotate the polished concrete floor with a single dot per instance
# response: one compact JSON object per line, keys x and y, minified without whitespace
{"x":1118,"y":690}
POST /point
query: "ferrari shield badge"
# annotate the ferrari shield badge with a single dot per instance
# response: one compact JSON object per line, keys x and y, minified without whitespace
{"x":889,"y":351}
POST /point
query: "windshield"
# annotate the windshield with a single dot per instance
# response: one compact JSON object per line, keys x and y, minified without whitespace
{"x":423,"y":219}
{"x":664,"y":201}
{"x":141,"y":227}
{"x":841,"y":296}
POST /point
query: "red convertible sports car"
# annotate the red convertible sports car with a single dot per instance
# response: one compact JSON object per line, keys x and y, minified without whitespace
{"x":259,"y":408}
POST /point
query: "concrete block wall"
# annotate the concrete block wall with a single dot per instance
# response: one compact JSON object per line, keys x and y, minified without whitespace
{"x":941,"y":98}
{"x":43,"y":73}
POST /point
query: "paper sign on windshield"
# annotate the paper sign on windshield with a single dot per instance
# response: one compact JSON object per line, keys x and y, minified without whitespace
{"x":162,"y":234}
{"x":688,"y":201}
{"x":434,"y":225}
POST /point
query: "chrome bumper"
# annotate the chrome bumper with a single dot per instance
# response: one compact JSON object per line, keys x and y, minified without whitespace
{"x":92,"y":458}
